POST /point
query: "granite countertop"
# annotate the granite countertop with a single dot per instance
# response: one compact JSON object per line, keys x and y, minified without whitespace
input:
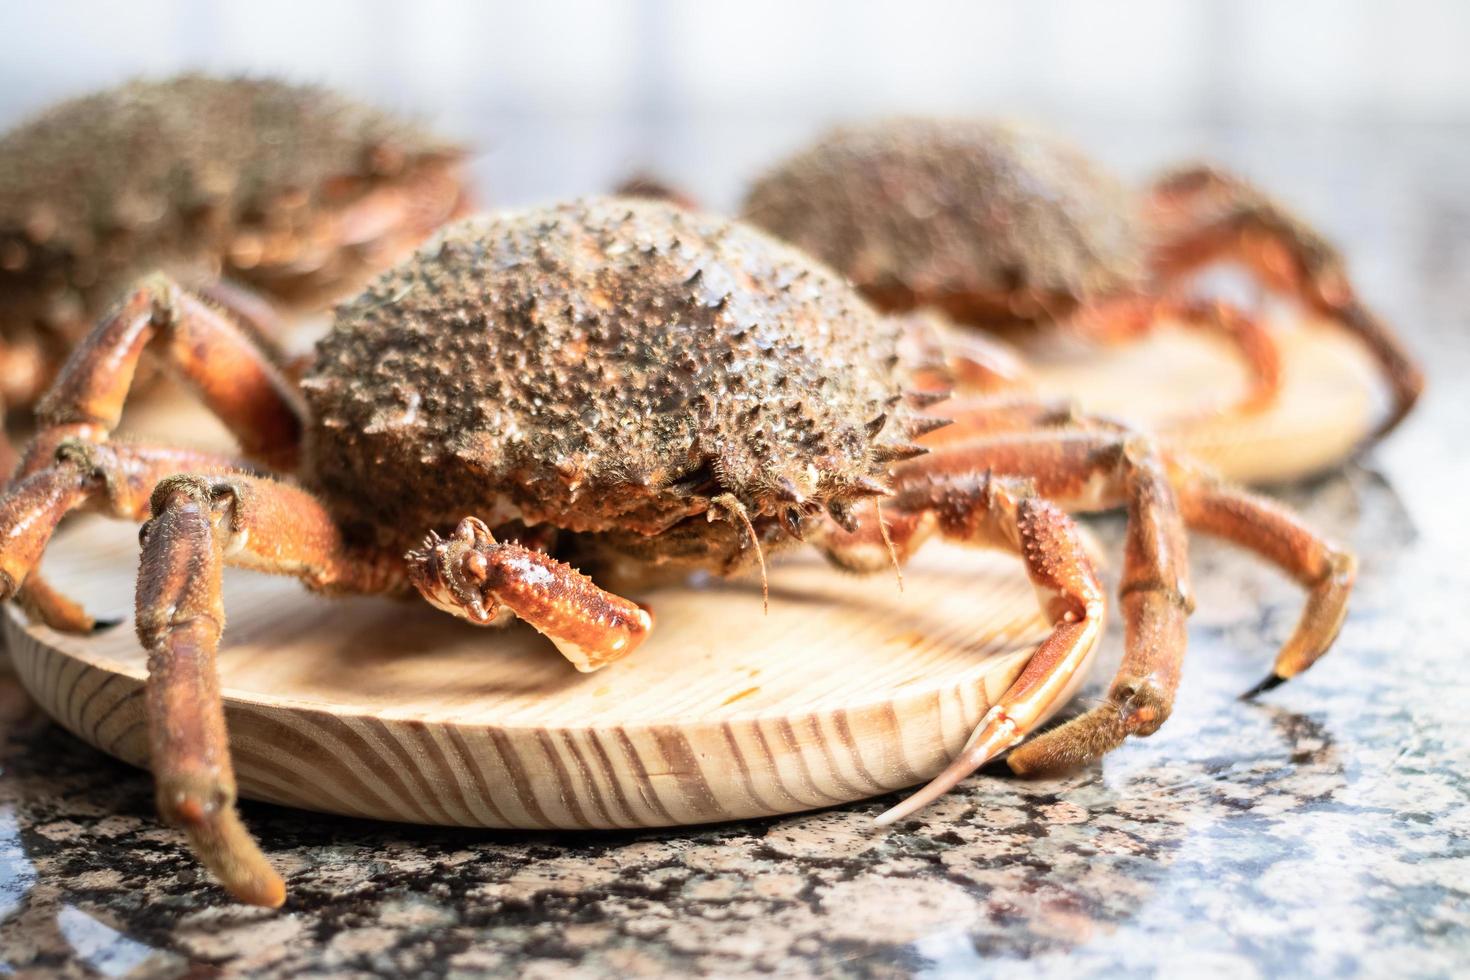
{"x":1323,"y":830}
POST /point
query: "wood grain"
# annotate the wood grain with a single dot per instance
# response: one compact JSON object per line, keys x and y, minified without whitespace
{"x":849,"y":688}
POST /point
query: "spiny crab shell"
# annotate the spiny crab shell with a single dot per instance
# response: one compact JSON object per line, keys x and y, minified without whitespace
{"x":281,"y":187}
{"x":966,"y":215}
{"x":609,"y":367}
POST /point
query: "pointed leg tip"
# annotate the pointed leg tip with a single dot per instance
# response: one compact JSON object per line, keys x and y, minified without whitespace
{"x":273,"y":894}
{"x":265,"y":891}
{"x":1271,"y":682}
{"x":888,"y":817}
{"x":103,"y":625}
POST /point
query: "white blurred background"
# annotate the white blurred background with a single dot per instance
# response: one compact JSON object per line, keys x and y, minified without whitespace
{"x":566,"y":96}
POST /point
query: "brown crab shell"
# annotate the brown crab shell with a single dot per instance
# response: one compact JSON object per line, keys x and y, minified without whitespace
{"x":607,"y":366}
{"x":989,"y":221}
{"x":202,"y":177}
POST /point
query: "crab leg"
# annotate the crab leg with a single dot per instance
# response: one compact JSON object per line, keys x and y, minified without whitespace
{"x":1128,"y":317}
{"x":1206,"y":214}
{"x":970,"y":417}
{"x":943,"y":357}
{"x":1062,"y":463}
{"x":1154,"y":595}
{"x":116,"y":478}
{"x":199,"y":525}
{"x":251,"y":312}
{"x":1271,"y":531}
{"x":994,"y":512}
{"x":229,"y":371}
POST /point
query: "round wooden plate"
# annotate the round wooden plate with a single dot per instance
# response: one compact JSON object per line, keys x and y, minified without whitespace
{"x":849,"y":688}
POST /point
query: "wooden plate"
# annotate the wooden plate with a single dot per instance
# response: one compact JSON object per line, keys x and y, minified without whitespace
{"x":849,"y":688}
{"x":1180,"y":384}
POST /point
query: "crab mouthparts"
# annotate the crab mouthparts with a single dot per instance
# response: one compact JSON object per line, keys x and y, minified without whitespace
{"x":450,"y":573}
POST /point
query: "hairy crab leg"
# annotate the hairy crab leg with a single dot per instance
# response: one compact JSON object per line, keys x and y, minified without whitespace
{"x":1126,"y":318}
{"x":475,"y":577}
{"x":116,"y":478}
{"x":250,"y":311}
{"x":1204,"y":214}
{"x":179,"y":617}
{"x":222,"y":364}
{"x":228,"y":370}
{"x":1154,"y":595}
{"x":198,"y":526}
{"x":978,"y":509}
{"x":1059,"y":461}
{"x":1216,"y":507}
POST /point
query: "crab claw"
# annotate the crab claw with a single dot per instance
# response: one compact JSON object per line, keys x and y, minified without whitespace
{"x":473,"y":576}
{"x":451,"y":572}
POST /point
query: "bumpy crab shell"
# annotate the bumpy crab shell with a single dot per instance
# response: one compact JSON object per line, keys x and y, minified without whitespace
{"x":960,"y":214}
{"x":251,"y":178}
{"x":606,"y":366}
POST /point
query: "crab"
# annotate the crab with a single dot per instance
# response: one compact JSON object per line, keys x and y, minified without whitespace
{"x":643,"y":391}
{"x":1003,"y":225}
{"x":235,"y":186}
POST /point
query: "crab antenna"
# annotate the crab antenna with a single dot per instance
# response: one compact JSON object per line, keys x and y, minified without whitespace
{"x":888,"y":542}
{"x":731,"y":504}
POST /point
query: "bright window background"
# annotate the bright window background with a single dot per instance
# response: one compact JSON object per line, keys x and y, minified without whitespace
{"x":564,"y":96}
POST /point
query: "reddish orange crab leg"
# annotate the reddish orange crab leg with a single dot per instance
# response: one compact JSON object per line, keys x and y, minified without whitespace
{"x":239,"y":384}
{"x":29,"y":514}
{"x":970,"y":418}
{"x":116,"y":478}
{"x":85,"y":403}
{"x":1206,"y":214}
{"x":1156,"y":603}
{"x":1128,"y":317}
{"x":250,"y":311}
{"x":1060,"y":462}
{"x":199,"y":525}
{"x":1265,"y":527}
{"x":1155,"y":595}
{"x":477,"y":578}
{"x":179,"y":621}
{"x":946,"y":358}
{"x":991,"y":512}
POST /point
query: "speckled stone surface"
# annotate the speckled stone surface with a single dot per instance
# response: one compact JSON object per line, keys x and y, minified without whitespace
{"x":1324,"y":830}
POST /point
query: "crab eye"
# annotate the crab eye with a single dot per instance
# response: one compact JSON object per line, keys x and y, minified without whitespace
{"x":474,"y":566}
{"x":473,"y":531}
{"x":791,"y":520}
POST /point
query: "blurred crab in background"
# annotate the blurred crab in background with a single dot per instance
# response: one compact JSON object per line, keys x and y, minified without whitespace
{"x":242,"y":188}
{"x":1000,"y":226}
